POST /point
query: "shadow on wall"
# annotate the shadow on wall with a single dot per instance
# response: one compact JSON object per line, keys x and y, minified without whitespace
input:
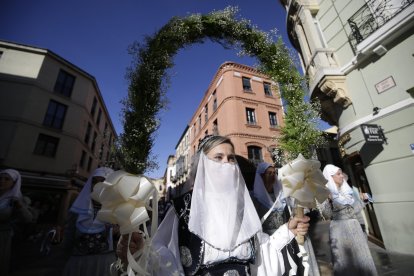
{"x":368,"y":152}
{"x":248,"y":171}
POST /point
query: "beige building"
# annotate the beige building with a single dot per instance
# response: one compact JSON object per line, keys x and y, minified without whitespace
{"x":55,"y":128}
{"x":242,"y":104}
{"x":358,"y":55}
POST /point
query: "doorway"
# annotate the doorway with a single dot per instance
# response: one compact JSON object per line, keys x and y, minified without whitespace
{"x":359,"y":179}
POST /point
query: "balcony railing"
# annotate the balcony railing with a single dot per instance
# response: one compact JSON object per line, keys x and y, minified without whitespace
{"x":373,"y":15}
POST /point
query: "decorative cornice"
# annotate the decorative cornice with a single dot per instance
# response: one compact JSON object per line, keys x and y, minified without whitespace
{"x":245,"y":135}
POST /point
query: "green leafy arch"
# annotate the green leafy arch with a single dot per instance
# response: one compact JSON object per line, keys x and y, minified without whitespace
{"x":148,"y":80}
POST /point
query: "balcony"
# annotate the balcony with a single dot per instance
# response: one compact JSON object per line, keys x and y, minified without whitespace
{"x":372,"y":16}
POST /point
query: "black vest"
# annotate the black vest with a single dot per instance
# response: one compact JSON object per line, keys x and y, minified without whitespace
{"x":192,"y":248}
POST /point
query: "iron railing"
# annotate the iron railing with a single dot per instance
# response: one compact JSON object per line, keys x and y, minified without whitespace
{"x":373,"y":15}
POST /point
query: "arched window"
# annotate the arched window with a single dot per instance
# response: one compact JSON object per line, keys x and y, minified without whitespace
{"x":255,"y":154}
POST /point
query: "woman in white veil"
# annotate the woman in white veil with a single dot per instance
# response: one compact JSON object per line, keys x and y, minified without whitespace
{"x":13,"y":209}
{"x":349,"y":247}
{"x":214,"y":229}
{"x":89,"y":240}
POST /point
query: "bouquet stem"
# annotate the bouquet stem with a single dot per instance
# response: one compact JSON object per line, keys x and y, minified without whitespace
{"x":299,"y":213}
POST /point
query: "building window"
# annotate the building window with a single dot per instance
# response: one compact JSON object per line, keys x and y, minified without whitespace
{"x":215,"y":127}
{"x":107,"y":157}
{"x":206,"y":113}
{"x":214,"y":104}
{"x":246,"y":84}
{"x":199,"y":122}
{"x":101,"y":150}
{"x":250,"y":116}
{"x":214,"y":101}
{"x":94,"y":141}
{"x":82,"y":160}
{"x":98,"y":119}
{"x":89,"y":163}
{"x":272,"y":119}
{"x":64,"y":83}
{"x":46,"y":145}
{"x":105,"y":133}
{"x":267,"y":89}
{"x":88,"y":133}
{"x":93,"y":107}
{"x":254,"y":154}
{"x":55,"y":115}
{"x":110,"y":140}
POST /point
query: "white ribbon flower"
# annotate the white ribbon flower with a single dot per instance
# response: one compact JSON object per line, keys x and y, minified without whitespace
{"x":303,"y":180}
{"x":125,"y":199}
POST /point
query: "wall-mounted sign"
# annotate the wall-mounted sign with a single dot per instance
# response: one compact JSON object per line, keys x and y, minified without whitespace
{"x":384,"y":85}
{"x":373,"y":134}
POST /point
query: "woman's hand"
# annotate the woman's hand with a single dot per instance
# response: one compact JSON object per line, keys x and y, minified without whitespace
{"x":299,"y":226}
{"x":136,"y":243}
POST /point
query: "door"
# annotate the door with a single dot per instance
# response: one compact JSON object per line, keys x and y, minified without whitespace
{"x":359,"y":179}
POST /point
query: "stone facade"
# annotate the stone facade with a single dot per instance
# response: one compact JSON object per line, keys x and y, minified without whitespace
{"x":358,"y":57}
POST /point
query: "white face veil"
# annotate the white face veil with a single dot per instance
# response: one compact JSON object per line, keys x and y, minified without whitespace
{"x":222,"y":212}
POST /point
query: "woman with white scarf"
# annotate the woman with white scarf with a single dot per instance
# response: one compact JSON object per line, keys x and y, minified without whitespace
{"x":349,"y":247}
{"x":268,"y":194}
{"x":89,"y":240}
{"x":272,"y":207}
{"x":13,"y":209}
{"x":214,"y":229}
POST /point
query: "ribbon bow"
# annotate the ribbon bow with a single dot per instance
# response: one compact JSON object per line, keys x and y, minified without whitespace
{"x":125,"y":199}
{"x":303,"y":180}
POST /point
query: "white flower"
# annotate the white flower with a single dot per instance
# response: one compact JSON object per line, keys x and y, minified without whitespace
{"x":125,"y":199}
{"x":303,"y":180}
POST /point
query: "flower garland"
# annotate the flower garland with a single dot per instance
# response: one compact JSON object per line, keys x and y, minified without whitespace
{"x":149,"y":80}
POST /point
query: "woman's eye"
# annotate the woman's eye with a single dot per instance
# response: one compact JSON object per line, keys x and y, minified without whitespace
{"x":232,"y":159}
{"x":218,"y":158}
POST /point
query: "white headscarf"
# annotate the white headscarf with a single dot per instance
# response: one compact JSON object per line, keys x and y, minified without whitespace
{"x":84,"y":208}
{"x":260,"y":192}
{"x":222,"y":212}
{"x":14,"y":192}
{"x":343,"y":195}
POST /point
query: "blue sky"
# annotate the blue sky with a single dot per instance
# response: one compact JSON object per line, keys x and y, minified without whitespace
{"x":95,"y":35}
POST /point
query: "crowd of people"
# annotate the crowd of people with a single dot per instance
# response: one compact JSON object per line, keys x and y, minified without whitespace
{"x":216,"y":227}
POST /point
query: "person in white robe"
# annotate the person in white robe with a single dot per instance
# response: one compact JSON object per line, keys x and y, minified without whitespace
{"x":213,"y":229}
{"x":13,"y":210}
{"x":89,"y":240}
{"x":349,"y":247}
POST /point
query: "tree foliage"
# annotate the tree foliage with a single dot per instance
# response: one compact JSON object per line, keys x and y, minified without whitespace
{"x":148,"y":79}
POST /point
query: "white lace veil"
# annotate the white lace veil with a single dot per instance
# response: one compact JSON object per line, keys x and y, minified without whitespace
{"x":222,"y":212}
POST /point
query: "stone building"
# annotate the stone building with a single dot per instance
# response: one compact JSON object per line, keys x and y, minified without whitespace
{"x":358,"y":56}
{"x":242,"y":104}
{"x":55,"y":127}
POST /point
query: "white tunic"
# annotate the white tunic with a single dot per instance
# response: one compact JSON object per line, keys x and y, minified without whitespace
{"x":166,"y":260}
